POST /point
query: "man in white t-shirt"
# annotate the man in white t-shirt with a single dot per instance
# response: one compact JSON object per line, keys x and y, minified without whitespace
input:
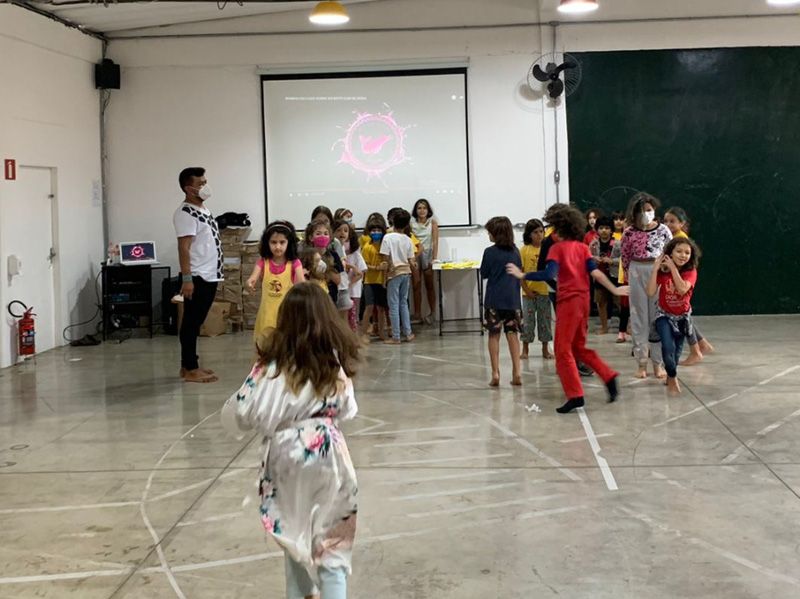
{"x":200,"y":255}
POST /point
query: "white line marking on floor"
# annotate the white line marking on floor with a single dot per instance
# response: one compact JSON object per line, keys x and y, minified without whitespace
{"x":482,"y":506}
{"x":608,"y":476}
{"x":413,"y":372}
{"x":196,"y":485}
{"x":551,"y":512}
{"x":63,"y":576}
{"x":429,"y":358}
{"x":455,"y":492}
{"x":143,"y":509}
{"x":724,"y":399}
{"x":377,"y":424}
{"x":228,"y":516}
{"x":277,"y":554}
{"x":417,"y":430}
{"x":509,"y":433}
{"x":68,"y":508}
{"x":576,"y":439}
{"x":759,"y":435}
{"x":427,"y":479}
{"x":713,"y":548}
{"x":444,"y":460}
{"x":666,"y":479}
{"x":436,"y":442}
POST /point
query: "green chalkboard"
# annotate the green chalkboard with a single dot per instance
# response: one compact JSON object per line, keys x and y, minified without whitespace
{"x":715,"y":131}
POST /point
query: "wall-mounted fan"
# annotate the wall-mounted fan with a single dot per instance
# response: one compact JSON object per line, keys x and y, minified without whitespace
{"x":554,"y":75}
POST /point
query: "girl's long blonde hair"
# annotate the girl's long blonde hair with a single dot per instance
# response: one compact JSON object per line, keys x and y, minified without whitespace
{"x":310,"y":342}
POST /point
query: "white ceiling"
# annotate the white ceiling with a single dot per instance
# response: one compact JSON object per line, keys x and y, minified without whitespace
{"x":128,"y":18}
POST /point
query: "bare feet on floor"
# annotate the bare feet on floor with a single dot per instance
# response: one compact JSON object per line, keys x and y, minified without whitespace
{"x":705,"y":346}
{"x":199,"y":376}
{"x":523,"y":356}
{"x":694,"y":358}
{"x":642,"y":372}
{"x":546,"y":354}
{"x":659,"y":372}
{"x":516,"y":381}
{"x":495,"y":382}
{"x":673,"y":386}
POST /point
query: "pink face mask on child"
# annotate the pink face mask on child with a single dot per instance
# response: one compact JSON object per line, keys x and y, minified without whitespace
{"x":322,"y":241}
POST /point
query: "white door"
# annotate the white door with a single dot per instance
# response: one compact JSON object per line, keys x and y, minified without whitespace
{"x":27,"y":206}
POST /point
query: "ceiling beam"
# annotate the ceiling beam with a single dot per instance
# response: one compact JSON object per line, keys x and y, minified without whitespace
{"x":65,"y":22}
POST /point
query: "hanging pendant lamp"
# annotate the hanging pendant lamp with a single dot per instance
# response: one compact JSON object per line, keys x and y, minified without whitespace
{"x":329,"y":13}
{"x":577,"y":6}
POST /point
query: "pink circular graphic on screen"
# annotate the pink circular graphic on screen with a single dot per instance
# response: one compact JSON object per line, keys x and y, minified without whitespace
{"x":373,"y":144}
{"x":137,"y":251}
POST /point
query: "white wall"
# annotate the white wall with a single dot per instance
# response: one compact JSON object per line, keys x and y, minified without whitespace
{"x":196,"y":102}
{"x":49,"y":117}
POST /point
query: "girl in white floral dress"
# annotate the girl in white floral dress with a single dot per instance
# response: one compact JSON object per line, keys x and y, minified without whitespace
{"x":295,"y":396}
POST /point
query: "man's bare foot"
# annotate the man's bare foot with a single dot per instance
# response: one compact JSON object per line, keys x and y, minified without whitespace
{"x":411,"y":337}
{"x":705,"y":347}
{"x":642,"y":372}
{"x":208,"y":371}
{"x":495,"y":382}
{"x":694,"y":358}
{"x":516,"y":381}
{"x":523,"y":356}
{"x":621,"y":338}
{"x":546,"y":352}
{"x":673,"y":386}
{"x":199,"y":376}
{"x":391,"y":341}
{"x":659,"y":372}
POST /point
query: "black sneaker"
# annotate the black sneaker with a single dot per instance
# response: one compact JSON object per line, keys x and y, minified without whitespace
{"x":613,"y":390}
{"x":570,"y":405}
{"x":584,"y":370}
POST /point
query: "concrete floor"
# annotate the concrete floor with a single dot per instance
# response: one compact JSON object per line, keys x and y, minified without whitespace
{"x":464,"y":492}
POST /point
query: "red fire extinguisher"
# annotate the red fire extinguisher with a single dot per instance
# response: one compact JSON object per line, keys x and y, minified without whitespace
{"x":26,"y":329}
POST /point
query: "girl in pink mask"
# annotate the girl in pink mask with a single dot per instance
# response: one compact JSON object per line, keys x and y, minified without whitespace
{"x":322,"y":261}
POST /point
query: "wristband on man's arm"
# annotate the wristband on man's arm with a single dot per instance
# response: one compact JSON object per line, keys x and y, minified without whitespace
{"x":187,"y":278}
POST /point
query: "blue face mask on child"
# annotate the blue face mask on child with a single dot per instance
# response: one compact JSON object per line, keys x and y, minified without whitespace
{"x":376,"y":236}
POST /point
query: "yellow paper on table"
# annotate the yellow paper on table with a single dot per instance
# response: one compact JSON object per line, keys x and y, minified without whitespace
{"x":464,"y":265}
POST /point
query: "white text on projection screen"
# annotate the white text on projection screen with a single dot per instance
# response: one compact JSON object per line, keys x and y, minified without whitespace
{"x":367,"y":144}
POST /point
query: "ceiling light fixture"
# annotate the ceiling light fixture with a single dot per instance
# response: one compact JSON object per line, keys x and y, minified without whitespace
{"x":783,"y":2}
{"x":577,"y":6}
{"x":329,"y":13}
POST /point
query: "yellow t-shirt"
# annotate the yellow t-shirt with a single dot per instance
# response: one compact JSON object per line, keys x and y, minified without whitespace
{"x":679,"y":234}
{"x":530,"y":260}
{"x":617,"y":235}
{"x":371,"y":253}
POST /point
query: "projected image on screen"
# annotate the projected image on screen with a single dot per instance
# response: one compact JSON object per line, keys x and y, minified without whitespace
{"x":373,"y":144}
{"x":366,"y":142}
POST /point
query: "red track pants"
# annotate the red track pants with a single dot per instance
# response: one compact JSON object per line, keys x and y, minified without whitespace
{"x":572,"y":322}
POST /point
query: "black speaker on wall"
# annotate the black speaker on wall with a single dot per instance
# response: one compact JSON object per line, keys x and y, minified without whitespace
{"x":106,"y":74}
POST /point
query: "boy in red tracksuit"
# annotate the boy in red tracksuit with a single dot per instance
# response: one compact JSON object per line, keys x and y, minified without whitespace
{"x":571,"y":264}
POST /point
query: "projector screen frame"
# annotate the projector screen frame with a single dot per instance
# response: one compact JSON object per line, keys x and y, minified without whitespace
{"x":349,"y":74}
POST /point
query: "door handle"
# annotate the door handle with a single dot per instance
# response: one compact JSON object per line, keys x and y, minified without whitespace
{"x":52,"y":254}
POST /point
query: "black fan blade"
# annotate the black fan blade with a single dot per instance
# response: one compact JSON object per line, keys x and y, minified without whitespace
{"x":539,"y":73}
{"x":563,"y":67}
{"x":551,"y":66}
{"x":555,"y":88}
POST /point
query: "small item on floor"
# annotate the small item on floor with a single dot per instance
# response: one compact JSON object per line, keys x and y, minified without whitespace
{"x":533,"y":408}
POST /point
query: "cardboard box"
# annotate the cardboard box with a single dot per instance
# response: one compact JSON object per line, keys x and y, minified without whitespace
{"x":234,"y":235}
{"x":232,"y":274}
{"x":251,"y":248}
{"x":232,"y":294}
{"x":216,"y":323}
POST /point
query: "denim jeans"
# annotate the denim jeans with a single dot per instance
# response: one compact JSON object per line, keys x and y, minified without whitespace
{"x":671,"y":345}
{"x":397,"y":291}
{"x":333,"y":583}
